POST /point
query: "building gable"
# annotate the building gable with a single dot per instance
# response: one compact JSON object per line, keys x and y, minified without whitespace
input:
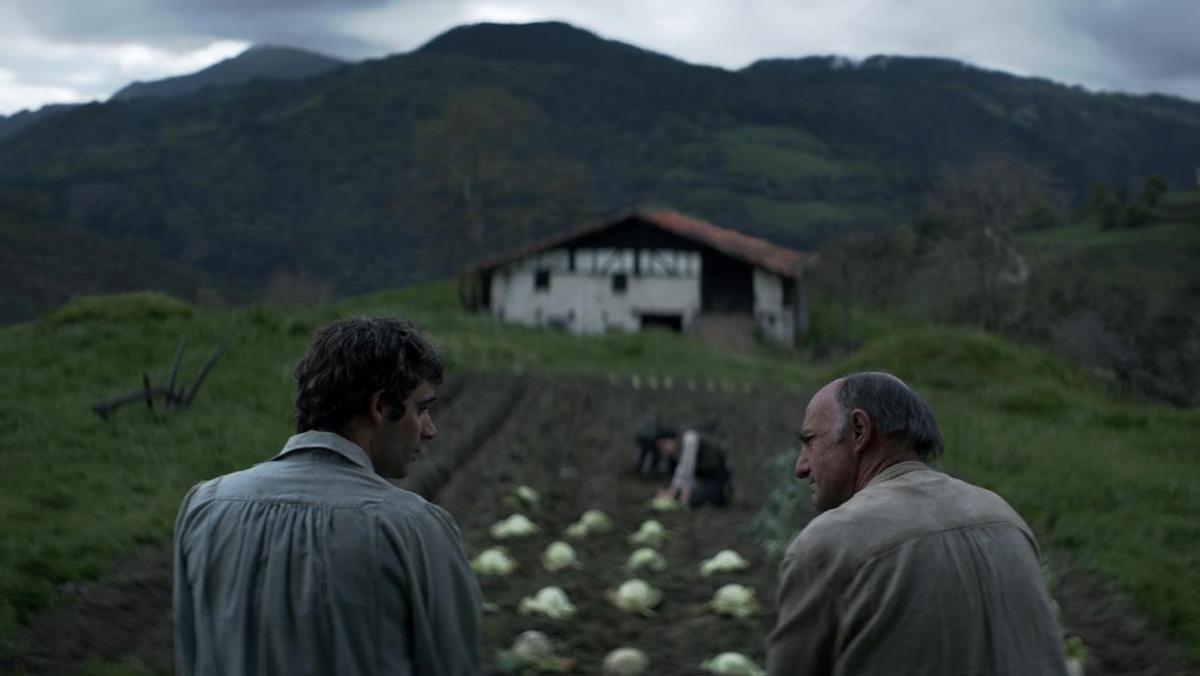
{"x":646,"y":268}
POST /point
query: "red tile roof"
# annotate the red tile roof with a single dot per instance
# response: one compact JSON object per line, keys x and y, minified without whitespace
{"x":772,"y":257}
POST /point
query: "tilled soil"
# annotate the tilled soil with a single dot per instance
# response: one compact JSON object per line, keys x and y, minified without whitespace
{"x":571,"y":440}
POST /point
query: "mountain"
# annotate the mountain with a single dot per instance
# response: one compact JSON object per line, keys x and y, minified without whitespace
{"x":14,"y":123}
{"x":260,"y":62}
{"x":545,"y":42}
{"x":43,"y":263}
{"x":321,"y":176}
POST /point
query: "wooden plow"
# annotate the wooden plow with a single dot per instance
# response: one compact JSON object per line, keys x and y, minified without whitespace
{"x":171,"y":394}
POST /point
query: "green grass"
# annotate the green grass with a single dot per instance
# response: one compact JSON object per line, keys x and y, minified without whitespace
{"x":798,"y":215}
{"x":779,"y":163}
{"x":812,"y":222}
{"x":790,"y":138}
{"x":778,"y":152}
{"x":1113,"y":484}
{"x":1091,"y":238}
{"x":1156,"y":261}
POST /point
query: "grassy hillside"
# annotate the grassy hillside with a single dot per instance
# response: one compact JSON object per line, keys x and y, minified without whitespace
{"x":1124,"y":299}
{"x":1158,"y":257}
{"x":1111,"y":484}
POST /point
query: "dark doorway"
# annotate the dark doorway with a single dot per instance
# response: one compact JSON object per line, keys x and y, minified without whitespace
{"x":726,"y":284}
{"x":668,"y":322}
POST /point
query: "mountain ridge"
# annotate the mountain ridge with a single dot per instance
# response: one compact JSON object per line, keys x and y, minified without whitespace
{"x":543,"y":41}
{"x":259,"y":61}
{"x":319,"y":174}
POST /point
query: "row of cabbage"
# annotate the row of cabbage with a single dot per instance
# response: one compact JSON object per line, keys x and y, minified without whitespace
{"x":533,"y":651}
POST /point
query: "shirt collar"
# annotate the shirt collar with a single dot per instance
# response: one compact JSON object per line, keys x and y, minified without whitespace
{"x":329,"y":441}
{"x":898,"y":469}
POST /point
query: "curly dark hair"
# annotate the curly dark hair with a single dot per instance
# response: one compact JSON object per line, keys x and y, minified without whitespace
{"x":351,"y":359}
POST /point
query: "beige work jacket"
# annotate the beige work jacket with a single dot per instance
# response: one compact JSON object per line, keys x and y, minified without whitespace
{"x":918,"y":573}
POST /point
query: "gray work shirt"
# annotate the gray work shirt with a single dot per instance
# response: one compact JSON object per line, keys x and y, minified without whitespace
{"x":313,"y":564}
{"x":918,"y":573}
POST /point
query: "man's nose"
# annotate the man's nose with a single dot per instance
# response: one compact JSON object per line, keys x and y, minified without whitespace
{"x":429,"y":430}
{"x":802,"y":465}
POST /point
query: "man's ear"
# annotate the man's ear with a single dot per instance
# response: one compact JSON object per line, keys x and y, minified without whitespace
{"x":375,"y":408}
{"x":861,"y":429}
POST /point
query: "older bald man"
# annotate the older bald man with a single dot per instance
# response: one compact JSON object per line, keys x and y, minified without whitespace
{"x":905,"y":570}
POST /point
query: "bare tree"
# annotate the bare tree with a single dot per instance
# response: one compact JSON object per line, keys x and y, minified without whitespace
{"x":485,"y":165}
{"x":980,"y":207}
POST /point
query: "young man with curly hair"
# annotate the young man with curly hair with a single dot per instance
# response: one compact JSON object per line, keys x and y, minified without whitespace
{"x":313,"y":562}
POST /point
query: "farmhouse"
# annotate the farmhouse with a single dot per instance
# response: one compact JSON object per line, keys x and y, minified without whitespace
{"x":648,"y":268}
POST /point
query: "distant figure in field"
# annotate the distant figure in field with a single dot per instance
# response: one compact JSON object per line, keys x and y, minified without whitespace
{"x":312,"y":562}
{"x":906,"y":570}
{"x":700,"y":474}
{"x":650,"y":461}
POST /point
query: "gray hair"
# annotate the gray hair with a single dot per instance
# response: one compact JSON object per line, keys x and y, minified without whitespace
{"x":894,"y":409}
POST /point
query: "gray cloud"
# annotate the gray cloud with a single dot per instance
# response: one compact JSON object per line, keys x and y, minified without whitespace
{"x":185,"y":24}
{"x":1155,"y":38}
{"x":50,"y":48}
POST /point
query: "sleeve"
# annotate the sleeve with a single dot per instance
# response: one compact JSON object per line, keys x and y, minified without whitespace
{"x":686,"y":469}
{"x":802,"y":641}
{"x":444,"y":603}
{"x":184,"y":612}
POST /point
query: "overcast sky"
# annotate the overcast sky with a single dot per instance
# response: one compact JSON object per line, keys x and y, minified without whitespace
{"x":83,"y":50}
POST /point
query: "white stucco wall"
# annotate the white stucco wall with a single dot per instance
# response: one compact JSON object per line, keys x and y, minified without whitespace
{"x":774,"y":320}
{"x":583,"y":300}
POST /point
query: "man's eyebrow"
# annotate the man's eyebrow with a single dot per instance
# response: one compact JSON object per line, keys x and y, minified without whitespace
{"x":427,"y":400}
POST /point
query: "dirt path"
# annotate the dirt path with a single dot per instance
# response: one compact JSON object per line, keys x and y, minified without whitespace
{"x":571,"y":440}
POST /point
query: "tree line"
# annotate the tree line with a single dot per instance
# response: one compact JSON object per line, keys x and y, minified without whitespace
{"x":983,"y":252}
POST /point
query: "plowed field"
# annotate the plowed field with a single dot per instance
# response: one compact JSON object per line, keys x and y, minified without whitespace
{"x":571,"y":439}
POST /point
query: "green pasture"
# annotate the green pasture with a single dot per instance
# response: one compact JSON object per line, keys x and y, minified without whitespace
{"x":1112,"y":484}
{"x":1156,"y":262}
{"x":780,"y":153}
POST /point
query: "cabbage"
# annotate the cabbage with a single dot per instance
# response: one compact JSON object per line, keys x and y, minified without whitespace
{"x":549,"y":601}
{"x":649,"y":534}
{"x":532,"y":652}
{"x":576,"y":531}
{"x":731,"y":664}
{"x":625,"y":662}
{"x":734,"y":600}
{"x":725,"y":561}
{"x":493,"y":561}
{"x":647,"y":558}
{"x":636,"y":596}
{"x":526,"y":496}
{"x":596,"y":522}
{"x":517,"y":525}
{"x":593,"y":522}
{"x":664,"y":503}
{"x":559,"y":555}
{"x":533,"y":647}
